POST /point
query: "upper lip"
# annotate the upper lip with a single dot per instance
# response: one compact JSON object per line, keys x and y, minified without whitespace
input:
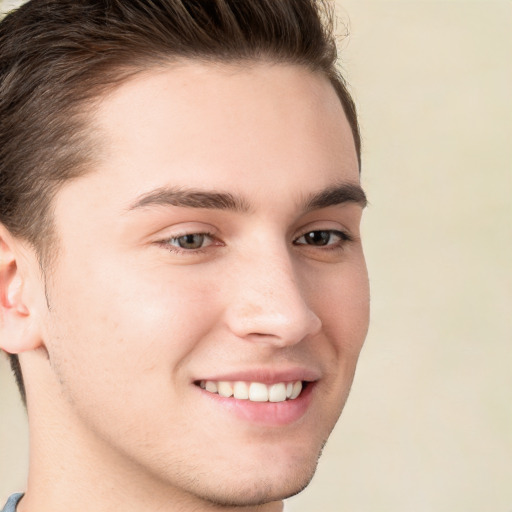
{"x":267,"y":375}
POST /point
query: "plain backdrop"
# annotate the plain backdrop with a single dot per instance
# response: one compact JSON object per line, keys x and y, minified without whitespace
{"x":428,"y":427}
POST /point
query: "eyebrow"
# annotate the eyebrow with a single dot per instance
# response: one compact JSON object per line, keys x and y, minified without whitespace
{"x":336,"y":195}
{"x":194,"y":198}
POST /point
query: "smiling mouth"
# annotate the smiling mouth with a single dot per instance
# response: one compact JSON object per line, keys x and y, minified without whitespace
{"x":254,"y":391}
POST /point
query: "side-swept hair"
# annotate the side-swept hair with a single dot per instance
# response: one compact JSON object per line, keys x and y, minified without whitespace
{"x":58,"y":56}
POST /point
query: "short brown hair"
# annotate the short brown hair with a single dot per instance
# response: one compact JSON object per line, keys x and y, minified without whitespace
{"x":58,"y":56}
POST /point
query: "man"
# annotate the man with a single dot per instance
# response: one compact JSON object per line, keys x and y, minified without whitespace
{"x":183,"y":289}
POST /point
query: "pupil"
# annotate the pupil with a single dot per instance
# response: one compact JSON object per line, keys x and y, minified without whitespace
{"x":191,"y":241}
{"x":318,"y":238}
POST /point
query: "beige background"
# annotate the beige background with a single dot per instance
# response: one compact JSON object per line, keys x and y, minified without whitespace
{"x":429,"y":424}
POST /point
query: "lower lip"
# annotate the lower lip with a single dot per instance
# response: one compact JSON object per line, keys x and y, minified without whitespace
{"x":273,"y":414}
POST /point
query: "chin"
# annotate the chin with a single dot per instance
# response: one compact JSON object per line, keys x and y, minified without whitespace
{"x":256,"y":493}
{"x":273,"y":483}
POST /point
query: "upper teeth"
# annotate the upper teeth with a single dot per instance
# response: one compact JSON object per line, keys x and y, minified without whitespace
{"x":254,"y":391}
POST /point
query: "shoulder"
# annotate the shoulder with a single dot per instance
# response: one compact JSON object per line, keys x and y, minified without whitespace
{"x":10,"y":506}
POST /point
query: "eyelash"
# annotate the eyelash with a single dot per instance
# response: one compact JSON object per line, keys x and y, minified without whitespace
{"x":344,"y":238}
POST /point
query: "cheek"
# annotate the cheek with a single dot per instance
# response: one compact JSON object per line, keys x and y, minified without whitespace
{"x":344,"y":311}
{"x":120,"y":348}
{"x":343,"y":306}
{"x":126,"y":332}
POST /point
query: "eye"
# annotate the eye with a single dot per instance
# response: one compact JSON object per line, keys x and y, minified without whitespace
{"x":321,"y":238}
{"x":191,"y":241}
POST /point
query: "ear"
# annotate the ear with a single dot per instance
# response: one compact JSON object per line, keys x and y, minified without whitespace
{"x":19,"y":330}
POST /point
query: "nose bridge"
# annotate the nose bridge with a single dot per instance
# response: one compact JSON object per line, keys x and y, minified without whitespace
{"x":269,"y":304}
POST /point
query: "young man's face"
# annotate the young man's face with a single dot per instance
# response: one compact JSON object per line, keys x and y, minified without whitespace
{"x":205,"y":249}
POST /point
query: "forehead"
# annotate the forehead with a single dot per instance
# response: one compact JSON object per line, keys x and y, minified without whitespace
{"x":244,"y":128}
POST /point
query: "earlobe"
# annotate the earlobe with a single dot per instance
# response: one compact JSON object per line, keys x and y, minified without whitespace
{"x":18,"y":332}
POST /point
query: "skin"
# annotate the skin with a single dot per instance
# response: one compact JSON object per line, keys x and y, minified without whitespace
{"x":116,"y":419}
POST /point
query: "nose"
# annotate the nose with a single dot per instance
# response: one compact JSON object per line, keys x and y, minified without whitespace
{"x":268,"y":305}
